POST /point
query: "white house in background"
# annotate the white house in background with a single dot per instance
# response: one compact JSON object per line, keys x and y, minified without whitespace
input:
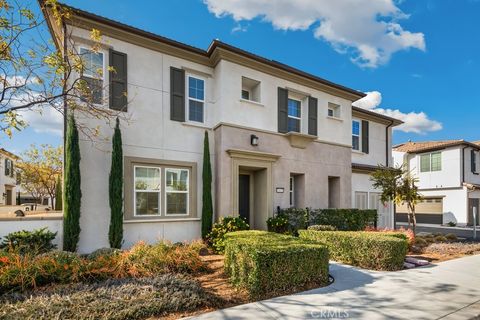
{"x":279,"y":137}
{"x":8,"y":178}
{"x":449,"y":179}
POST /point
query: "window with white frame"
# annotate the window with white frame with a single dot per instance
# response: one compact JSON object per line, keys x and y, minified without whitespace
{"x":93,"y":75}
{"x":356,"y":135}
{"x":176,"y":190}
{"x":196,"y":99}
{"x":292,"y":191}
{"x":294,"y":115}
{"x":333,"y":110}
{"x":147,"y":191}
{"x":431,"y":162}
{"x":250,"y":89}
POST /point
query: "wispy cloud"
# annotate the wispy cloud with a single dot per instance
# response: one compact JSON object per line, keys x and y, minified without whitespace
{"x":414,"y":122}
{"x":44,"y":120}
{"x":369,"y":31}
{"x":240,"y":28}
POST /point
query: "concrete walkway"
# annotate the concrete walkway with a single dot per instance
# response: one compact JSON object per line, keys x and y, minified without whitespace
{"x":449,"y":290}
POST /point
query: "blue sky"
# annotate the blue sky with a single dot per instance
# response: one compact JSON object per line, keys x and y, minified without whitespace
{"x":433,"y":66}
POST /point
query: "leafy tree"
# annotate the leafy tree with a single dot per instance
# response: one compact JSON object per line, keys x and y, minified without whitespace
{"x":35,"y":74}
{"x":398,"y":185}
{"x":115,"y":233}
{"x":72,"y":192}
{"x":207,"y":207}
{"x":58,"y":194}
{"x":40,"y":168}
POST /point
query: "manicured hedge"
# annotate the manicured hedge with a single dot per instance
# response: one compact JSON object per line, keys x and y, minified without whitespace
{"x":369,"y":250}
{"x":266,"y":263}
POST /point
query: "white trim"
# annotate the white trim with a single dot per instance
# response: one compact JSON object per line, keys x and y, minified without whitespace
{"x":187,"y":192}
{"x":335,"y":118}
{"x":187,"y":96}
{"x":159,"y":191}
{"x":359,"y":134}
{"x":252,"y":102}
{"x":293,"y":117}
{"x":104,"y":73}
{"x":160,"y":220}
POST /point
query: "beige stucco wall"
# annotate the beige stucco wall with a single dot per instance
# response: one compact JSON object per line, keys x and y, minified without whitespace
{"x":317,"y":162}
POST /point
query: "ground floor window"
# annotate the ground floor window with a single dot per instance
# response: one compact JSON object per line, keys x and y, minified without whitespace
{"x":292,"y":191}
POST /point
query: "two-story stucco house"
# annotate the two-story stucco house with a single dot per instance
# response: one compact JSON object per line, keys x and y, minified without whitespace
{"x":279,"y":137}
{"x":8,"y":182}
{"x":448,"y":174}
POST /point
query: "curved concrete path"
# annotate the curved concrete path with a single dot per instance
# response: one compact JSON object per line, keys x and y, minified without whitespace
{"x":448,"y":290}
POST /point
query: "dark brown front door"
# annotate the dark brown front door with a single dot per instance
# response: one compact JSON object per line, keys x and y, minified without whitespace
{"x":244,"y":197}
{"x":9,"y":197}
{"x":473,"y":203}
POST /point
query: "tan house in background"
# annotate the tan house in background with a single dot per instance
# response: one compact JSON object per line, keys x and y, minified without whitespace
{"x":8,"y":178}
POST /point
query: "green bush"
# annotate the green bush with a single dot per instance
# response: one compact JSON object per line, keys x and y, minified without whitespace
{"x":35,"y":242}
{"x":441,"y":238}
{"x":216,"y":238}
{"x":322,"y":227}
{"x":369,"y":250}
{"x":344,"y":219}
{"x":266,"y":263}
{"x":451,"y":237}
{"x":278,"y":224}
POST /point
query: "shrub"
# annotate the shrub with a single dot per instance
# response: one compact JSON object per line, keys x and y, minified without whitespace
{"x":451,"y":237}
{"x":322,"y":227}
{"x":110,"y":299}
{"x":115,"y":190}
{"x":441,"y":238}
{"x":399,"y":233}
{"x":278,"y":224}
{"x":420,"y":242}
{"x":104,"y":252}
{"x":35,"y":242}
{"x":369,"y":250}
{"x":344,"y":219}
{"x":297,"y":219}
{"x":451,"y":224}
{"x":216,"y":238}
{"x":266,"y":263}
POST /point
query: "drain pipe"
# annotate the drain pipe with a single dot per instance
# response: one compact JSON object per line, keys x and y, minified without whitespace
{"x":387,"y":164}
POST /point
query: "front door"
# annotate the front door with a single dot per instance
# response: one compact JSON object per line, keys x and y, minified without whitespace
{"x":9,"y":197}
{"x":473,"y":203}
{"x":244,"y":197}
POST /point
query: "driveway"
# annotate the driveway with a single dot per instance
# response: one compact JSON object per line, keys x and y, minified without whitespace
{"x":449,"y":290}
{"x":461,"y":232}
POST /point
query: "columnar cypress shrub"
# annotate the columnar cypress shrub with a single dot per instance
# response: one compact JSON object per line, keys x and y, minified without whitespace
{"x":115,"y":233}
{"x":207,"y":207}
{"x":58,"y":194}
{"x":72,"y":191}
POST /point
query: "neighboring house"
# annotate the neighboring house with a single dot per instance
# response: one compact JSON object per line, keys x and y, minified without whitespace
{"x":448,"y":175}
{"x":8,"y":178}
{"x":279,"y":137}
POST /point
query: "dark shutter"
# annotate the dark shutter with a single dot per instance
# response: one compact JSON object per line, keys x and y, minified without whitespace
{"x":312,"y":116}
{"x":118,"y":80}
{"x":7,"y":168}
{"x":282,"y":110}
{"x":177,"y":94}
{"x":473,"y":161}
{"x":365,"y":138}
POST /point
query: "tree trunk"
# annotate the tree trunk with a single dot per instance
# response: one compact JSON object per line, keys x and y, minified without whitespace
{"x":414,"y":222}
{"x":409,"y":220}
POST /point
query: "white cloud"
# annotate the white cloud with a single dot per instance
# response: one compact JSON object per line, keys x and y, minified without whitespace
{"x":414,"y":122}
{"x":44,"y":120}
{"x":239,"y":28}
{"x":367,"y":30}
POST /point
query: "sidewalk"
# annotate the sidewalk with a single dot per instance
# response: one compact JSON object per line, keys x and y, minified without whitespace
{"x":449,"y":290}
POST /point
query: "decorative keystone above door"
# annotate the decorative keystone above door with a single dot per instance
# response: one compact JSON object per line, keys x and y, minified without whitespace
{"x":299,"y":140}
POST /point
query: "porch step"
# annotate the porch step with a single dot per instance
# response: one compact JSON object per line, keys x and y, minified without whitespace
{"x":416,"y":262}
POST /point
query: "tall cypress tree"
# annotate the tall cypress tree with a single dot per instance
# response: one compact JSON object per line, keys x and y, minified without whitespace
{"x":207,"y":207}
{"x":58,"y":194}
{"x":72,"y":191}
{"x":115,"y":233}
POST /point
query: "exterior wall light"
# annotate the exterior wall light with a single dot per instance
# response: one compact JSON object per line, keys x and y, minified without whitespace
{"x":254,"y":140}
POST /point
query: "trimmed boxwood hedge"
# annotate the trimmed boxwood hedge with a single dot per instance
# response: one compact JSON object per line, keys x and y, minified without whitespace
{"x":369,"y":250}
{"x":266,"y":263}
{"x":343,"y":219}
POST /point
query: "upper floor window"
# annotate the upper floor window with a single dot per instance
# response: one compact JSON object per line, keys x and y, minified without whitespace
{"x":294,"y":115}
{"x":250,"y":89}
{"x":333,"y":110}
{"x":196,"y":99}
{"x":356,"y":135}
{"x":431,"y":162}
{"x":93,"y":75}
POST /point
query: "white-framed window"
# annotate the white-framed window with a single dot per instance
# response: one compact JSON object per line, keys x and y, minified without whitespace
{"x":250,"y":89}
{"x":333,"y":110}
{"x":294,"y":115}
{"x":431,"y":162}
{"x":356,"y":129}
{"x":195,"y":98}
{"x":93,"y":73}
{"x":147,"y":191}
{"x":176,"y":191}
{"x":292,"y":191}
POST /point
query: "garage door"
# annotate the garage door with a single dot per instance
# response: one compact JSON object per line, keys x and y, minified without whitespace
{"x":429,"y":210}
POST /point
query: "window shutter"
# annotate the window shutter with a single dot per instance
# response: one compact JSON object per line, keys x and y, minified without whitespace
{"x":118,"y":80}
{"x":177,"y":94}
{"x":7,"y":172}
{"x":282,"y":110}
{"x":473,"y":162}
{"x":365,"y":136}
{"x":312,"y":116}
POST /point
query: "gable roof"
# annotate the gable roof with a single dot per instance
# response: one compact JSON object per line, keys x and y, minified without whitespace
{"x":424,"y":146}
{"x":9,"y":154}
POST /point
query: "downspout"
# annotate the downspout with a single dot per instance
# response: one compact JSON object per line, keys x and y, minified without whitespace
{"x":387,"y":163}
{"x":463,"y":166}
